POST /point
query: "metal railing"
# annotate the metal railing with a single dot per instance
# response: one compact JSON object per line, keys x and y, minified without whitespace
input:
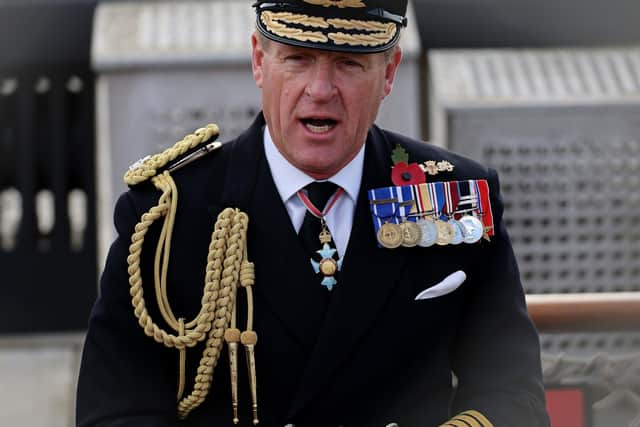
{"x":614,"y":380}
{"x":586,"y":312}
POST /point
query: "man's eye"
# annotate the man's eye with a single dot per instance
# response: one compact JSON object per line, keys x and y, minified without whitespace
{"x":295,"y":58}
{"x":352,"y":63}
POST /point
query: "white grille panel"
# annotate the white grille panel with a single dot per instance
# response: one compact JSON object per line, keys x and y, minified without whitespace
{"x":562,"y":127}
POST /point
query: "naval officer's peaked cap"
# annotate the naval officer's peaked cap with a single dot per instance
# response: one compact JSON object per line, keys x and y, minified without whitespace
{"x":360,"y":26}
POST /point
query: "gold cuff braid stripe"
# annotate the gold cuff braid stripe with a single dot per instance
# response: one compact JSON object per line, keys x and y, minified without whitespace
{"x":484,"y":422}
{"x":469,"y":418}
{"x":374,"y":33}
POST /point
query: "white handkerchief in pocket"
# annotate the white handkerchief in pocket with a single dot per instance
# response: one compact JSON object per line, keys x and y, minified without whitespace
{"x":448,"y":285}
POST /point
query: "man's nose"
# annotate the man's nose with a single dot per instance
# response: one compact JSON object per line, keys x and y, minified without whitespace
{"x":321,"y":86}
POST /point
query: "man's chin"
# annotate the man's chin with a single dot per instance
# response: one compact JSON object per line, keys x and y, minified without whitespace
{"x":319,"y":170}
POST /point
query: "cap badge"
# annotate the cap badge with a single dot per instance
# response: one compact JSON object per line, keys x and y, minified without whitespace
{"x":338,"y":3}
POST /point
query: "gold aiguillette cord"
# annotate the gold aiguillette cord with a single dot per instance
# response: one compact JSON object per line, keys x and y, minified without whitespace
{"x":248,"y":338}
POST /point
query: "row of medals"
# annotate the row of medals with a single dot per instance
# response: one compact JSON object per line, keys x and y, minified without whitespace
{"x":427,"y":232}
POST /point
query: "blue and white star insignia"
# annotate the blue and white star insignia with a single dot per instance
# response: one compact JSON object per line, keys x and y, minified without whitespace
{"x":328,"y":282}
{"x":327,"y":266}
{"x":326,"y":252}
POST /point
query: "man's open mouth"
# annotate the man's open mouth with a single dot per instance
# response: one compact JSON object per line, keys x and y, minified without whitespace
{"x":319,"y":125}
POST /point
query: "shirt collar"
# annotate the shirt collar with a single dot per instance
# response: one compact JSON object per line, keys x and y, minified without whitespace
{"x":289,"y":179}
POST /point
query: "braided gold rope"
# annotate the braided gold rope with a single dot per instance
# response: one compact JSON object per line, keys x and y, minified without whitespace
{"x":231,"y":228}
{"x":148,"y":167}
{"x":197,"y":329}
{"x":227,"y":265}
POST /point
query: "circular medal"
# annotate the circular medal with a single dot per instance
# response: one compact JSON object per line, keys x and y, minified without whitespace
{"x":429,"y":233}
{"x":458,"y":232}
{"x":473,"y":228}
{"x":328,"y":266}
{"x":411,"y":234}
{"x":445,"y":232}
{"x":390,"y":235}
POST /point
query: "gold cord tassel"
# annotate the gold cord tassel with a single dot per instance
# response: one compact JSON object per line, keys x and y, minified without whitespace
{"x":249,"y":340}
{"x":232,"y":337}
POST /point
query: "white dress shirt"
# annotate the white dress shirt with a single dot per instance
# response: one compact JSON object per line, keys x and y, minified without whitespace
{"x":289,"y":180}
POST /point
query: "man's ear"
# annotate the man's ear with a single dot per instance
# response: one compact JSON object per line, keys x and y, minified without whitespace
{"x":257,"y":55}
{"x":391,"y":68}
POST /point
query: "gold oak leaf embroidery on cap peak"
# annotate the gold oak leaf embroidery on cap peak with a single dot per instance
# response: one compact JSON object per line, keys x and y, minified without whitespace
{"x":374,"y":33}
{"x":276,"y":23}
{"x":338,"y":3}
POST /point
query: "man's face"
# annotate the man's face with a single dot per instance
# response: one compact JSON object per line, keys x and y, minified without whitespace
{"x":320,"y":104}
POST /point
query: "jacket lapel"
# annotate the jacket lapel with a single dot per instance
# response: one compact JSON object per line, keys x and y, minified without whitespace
{"x":368,"y":277}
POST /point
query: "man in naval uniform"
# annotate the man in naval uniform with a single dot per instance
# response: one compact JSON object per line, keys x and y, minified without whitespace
{"x":347,"y":327}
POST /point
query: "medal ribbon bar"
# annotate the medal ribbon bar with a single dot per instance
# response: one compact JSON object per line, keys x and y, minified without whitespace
{"x":484,"y":206}
{"x":448,"y":201}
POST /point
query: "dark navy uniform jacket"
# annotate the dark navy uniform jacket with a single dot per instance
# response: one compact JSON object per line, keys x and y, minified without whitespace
{"x":366,"y":354}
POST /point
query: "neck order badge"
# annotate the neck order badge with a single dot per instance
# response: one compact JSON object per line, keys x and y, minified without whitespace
{"x":328,"y":266}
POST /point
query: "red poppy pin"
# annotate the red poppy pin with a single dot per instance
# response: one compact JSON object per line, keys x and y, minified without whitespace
{"x":403,"y":172}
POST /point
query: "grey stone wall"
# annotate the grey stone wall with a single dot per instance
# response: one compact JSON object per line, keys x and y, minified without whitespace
{"x":38,"y":380}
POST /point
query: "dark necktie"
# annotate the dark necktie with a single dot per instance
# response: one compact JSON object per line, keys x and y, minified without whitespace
{"x":319,"y":194}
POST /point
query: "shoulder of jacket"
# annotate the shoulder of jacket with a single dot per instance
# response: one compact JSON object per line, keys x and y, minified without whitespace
{"x":414,"y":146}
{"x":190,"y":148}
